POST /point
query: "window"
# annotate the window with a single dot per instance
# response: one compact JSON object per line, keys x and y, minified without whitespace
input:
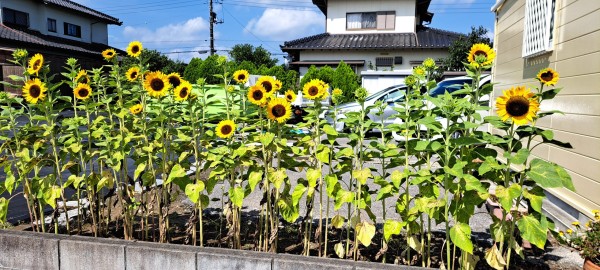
{"x":15,"y":17}
{"x":72,"y":30}
{"x":539,"y":27}
{"x":386,"y":20}
{"x":51,"y":25}
{"x":382,"y":20}
{"x":384,"y":61}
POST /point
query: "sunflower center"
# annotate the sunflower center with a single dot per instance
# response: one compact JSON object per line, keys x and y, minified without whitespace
{"x":241,"y":77}
{"x":134,"y":74}
{"x":35,"y":91}
{"x":547,"y":76}
{"x":313,"y":91}
{"x":517,"y":106}
{"x":109,"y":53}
{"x":257,"y":95}
{"x":157,"y":85}
{"x":480,"y":53}
{"x":174,"y":81}
{"x":226,"y":129}
{"x":289,"y":97}
{"x":183,"y":93}
{"x":278,"y":110}
{"x":268,"y":86}
{"x":135,"y":49}
{"x":83,"y":92}
{"x":36,"y":64}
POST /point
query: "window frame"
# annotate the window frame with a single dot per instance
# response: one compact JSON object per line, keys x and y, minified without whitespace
{"x":14,"y":16}
{"x":67,"y":30}
{"x":52,"y":22}
{"x":376,"y":15}
{"x":538,"y":39}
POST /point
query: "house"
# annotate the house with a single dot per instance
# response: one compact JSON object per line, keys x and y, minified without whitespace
{"x":381,"y":39}
{"x":58,"y":29}
{"x":563,"y":35}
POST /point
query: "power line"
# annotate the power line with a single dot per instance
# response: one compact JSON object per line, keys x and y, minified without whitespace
{"x":246,"y":29}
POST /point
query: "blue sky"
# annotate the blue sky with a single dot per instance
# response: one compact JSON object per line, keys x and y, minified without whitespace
{"x":179,"y":28}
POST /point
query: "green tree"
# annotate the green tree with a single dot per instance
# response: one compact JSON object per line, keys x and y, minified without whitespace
{"x":312,"y":73}
{"x":257,"y":55}
{"x":345,"y":79}
{"x":157,"y":61}
{"x":192,"y":71}
{"x":459,"y":50}
{"x":209,"y":68}
{"x":247,"y":65}
{"x":326,"y":74}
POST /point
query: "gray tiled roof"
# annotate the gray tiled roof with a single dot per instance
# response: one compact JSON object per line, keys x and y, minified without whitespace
{"x":425,"y":38}
{"x":83,"y":9}
{"x":22,"y":38}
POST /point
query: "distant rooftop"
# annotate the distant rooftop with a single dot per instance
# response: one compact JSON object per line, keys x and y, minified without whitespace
{"x":70,"y":5}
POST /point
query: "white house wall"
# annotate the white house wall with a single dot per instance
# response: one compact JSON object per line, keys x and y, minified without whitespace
{"x":337,"y":9}
{"x":91,"y":29}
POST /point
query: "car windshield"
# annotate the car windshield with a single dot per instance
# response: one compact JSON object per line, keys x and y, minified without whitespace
{"x":381,"y":92}
{"x":450,"y":86}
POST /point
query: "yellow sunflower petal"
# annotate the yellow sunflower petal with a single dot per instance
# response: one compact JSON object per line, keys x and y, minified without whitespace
{"x":34,"y":90}
{"x":183,"y":91}
{"x":135,"y":109}
{"x":257,"y":95}
{"x":481,"y":50}
{"x":241,"y":76}
{"x":279,"y":109}
{"x":548,"y":76}
{"x":35,"y":64}
{"x":134,"y":49}
{"x":156,"y":84}
{"x":109,"y":54}
{"x":268,"y":83}
{"x":313,"y":89}
{"x":517,"y":105}
{"x":225,"y":129}
{"x":82,"y":91}
{"x":133,"y":74}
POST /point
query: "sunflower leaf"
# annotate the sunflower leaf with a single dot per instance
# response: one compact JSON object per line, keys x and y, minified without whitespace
{"x":550,"y":94}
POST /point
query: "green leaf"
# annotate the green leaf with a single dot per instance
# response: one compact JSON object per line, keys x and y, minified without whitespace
{"x":10,"y":180}
{"x":456,"y":170}
{"x":331,"y":181}
{"x":298,"y":192}
{"x":343,"y":196}
{"x":237,"y":196}
{"x":193,"y":191}
{"x":362,"y":175}
{"x":253,"y":179}
{"x":267,"y":138}
{"x":288,"y":211}
{"x":365,"y":232}
{"x":460,"y":234}
{"x":494,"y":258}
{"x":277,"y":177}
{"x":329,"y":130}
{"x":323,"y":154}
{"x":549,"y":175}
{"x":106,"y":181}
{"x":520,"y":157}
{"x":312,"y":175}
{"x":550,"y":94}
{"x":506,"y":196}
{"x":140,"y":168}
{"x":338,"y":221}
{"x":346,"y":152}
{"x":397,"y":177}
{"x":3,"y":209}
{"x":339,"y":250}
{"x":536,"y":197}
{"x":385,"y":192}
{"x":532,"y":231}
{"x":176,"y":172}
{"x":414,"y":243}
{"x":392,"y":227}
{"x":472,"y":183}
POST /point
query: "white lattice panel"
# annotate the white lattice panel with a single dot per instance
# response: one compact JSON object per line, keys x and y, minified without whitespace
{"x":536,"y":36}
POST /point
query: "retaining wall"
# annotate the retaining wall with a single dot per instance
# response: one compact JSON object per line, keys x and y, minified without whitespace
{"x":29,"y":250}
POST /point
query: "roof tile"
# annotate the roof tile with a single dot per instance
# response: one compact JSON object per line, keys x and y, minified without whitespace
{"x":81,"y":8}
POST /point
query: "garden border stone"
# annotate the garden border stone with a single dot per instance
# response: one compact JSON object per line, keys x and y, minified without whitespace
{"x":30,"y":250}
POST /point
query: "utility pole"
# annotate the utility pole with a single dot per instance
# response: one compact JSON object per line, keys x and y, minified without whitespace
{"x":212,"y":22}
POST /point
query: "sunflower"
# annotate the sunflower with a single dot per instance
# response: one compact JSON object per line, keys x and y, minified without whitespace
{"x":313,"y":89}
{"x":257,"y":95}
{"x":174,"y":79}
{"x":134,"y":49}
{"x":82,"y":77}
{"x":109,"y":54}
{"x":419,"y":71}
{"x":225,"y":129}
{"x":429,"y":64}
{"x":35,"y":64}
{"x":19,"y":54}
{"x":267,"y":82}
{"x":279,"y":109}
{"x":183,"y":91}
{"x":517,"y":104}
{"x":290,"y":96}
{"x":34,"y":90}
{"x":82,"y":91}
{"x":132,"y":74}
{"x":483,"y":51}
{"x":156,"y":84}
{"x":135,"y":109}
{"x":548,"y":76}
{"x":277,"y":85}
{"x":241,"y":76}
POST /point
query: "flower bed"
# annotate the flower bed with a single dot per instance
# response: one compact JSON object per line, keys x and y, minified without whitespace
{"x":157,"y":123}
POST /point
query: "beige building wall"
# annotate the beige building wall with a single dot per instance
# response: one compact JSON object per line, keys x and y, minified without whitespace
{"x":576,"y":57}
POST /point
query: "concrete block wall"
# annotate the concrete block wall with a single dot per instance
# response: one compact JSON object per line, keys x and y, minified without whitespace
{"x":29,"y":250}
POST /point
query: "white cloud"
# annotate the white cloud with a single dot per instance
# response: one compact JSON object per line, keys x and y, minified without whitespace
{"x":279,"y":24}
{"x":191,"y":30}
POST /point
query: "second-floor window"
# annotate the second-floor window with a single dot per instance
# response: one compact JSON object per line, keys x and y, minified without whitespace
{"x":382,"y":20}
{"x":15,"y":17}
{"x":72,"y":30}
{"x":51,"y":25}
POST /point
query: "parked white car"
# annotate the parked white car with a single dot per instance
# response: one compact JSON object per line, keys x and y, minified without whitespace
{"x":452,"y":85}
{"x":391,"y":95}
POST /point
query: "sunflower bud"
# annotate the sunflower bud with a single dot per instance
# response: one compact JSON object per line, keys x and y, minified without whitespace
{"x":361,"y":94}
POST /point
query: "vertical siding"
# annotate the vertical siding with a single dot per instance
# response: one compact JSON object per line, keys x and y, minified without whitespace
{"x":576,"y":56}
